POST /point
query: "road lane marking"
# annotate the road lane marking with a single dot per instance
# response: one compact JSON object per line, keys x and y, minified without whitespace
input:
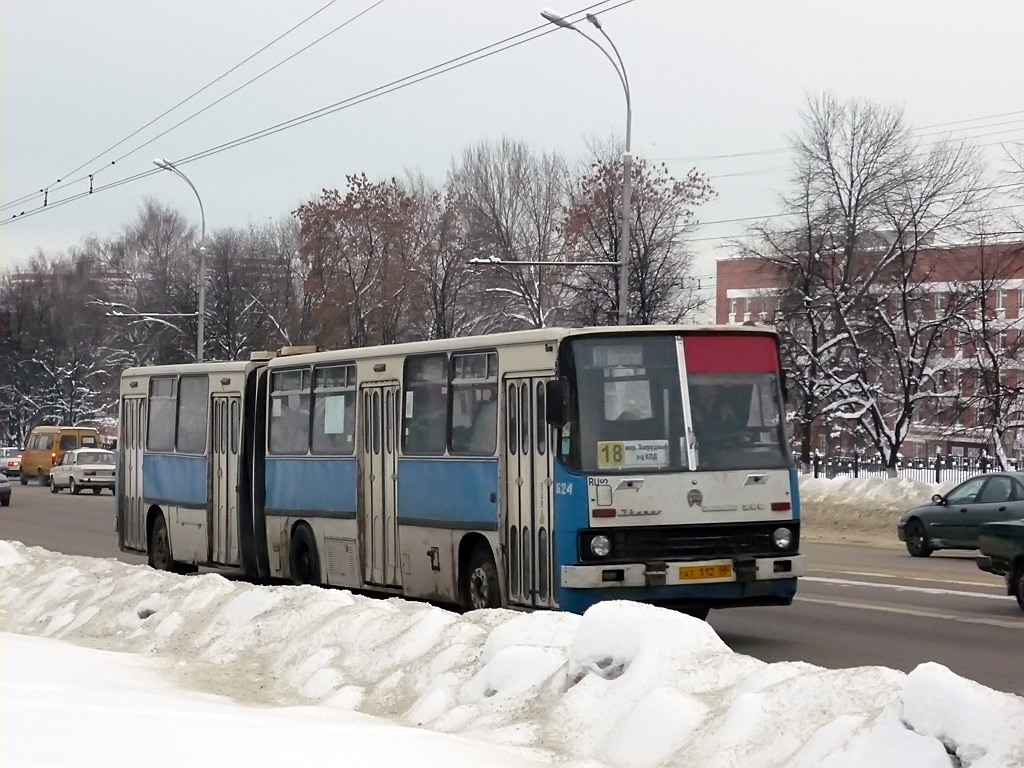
{"x":902,"y":587}
{"x":1002,"y":623}
{"x":878,"y":575}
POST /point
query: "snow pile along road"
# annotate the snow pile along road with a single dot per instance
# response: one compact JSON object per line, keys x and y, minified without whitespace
{"x":865,"y":505}
{"x":625,"y":684}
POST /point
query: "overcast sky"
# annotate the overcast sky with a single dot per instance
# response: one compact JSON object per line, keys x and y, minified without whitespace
{"x":709,"y":79}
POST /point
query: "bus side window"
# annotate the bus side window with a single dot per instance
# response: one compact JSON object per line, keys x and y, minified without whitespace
{"x":334,"y":410}
{"x":160,"y":433}
{"x":193,"y":404}
{"x":425,"y":412}
{"x":289,"y":411}
{"x":474,"y":414}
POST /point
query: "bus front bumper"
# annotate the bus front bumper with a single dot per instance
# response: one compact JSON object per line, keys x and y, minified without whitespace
{"x":682,"y":573}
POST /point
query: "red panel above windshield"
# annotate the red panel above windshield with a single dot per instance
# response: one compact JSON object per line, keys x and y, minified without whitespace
{"x":726,"y":352}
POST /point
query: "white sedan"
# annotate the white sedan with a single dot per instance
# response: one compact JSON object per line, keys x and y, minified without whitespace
{"x":84,"y":468}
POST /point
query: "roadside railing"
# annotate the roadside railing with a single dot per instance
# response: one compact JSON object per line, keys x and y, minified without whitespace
{"x":938,"y":469}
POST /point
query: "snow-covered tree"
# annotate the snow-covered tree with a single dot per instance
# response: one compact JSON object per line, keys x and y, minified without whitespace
{"x":870,"y":201}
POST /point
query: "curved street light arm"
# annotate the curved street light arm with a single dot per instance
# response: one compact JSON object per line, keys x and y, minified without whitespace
{"x":621,"y":70}
{"x":167,"y":165}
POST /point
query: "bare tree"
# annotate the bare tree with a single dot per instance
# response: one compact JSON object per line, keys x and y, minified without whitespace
{"x":153,"y":268}
{"x":511,"y":202}
{"x":449,"y":297}
{"x":358,"y":252}
{"x":659,"y":264}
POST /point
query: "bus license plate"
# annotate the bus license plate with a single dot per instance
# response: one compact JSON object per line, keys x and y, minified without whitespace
{"x":687,"y":573}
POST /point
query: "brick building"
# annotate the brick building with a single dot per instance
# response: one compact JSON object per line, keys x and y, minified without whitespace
{"x":748,"y":289}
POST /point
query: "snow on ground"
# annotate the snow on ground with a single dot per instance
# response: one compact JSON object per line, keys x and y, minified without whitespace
{"x":624,"y":685}
{"x":114,"y":709}
{"x":865,"y":507}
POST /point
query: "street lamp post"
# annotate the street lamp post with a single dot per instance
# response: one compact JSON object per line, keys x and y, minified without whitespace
{"x":627,"y":158}
{"x":167,"y":165}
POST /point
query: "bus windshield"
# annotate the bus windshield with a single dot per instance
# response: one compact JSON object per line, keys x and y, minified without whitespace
{"x":629,"y":414}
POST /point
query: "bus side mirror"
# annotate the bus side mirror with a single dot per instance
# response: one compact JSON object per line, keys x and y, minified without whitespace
{"x":556,"y":399}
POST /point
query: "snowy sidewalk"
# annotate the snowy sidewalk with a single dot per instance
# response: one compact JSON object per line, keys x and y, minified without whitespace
{"x":66,"y":705}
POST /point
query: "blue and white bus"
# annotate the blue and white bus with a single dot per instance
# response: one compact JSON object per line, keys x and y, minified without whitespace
{"x":549,"y":468}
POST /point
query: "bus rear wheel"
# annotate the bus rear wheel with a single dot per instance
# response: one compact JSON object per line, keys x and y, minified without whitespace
{"x":304,"y":558}
{"x":480,"y":588}
{"x":159,"y":545}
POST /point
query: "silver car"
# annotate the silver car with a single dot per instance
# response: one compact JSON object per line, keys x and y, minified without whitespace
{"x":951,"y":521}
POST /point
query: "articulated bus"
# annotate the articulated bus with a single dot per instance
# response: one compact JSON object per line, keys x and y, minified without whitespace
{"x":549,"y":468}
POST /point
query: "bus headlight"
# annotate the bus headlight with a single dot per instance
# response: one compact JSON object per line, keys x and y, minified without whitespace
{"x":782,"y":537}
{"x":600,"y":546}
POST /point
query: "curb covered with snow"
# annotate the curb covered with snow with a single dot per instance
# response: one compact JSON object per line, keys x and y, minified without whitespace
{"x":625,"y":684}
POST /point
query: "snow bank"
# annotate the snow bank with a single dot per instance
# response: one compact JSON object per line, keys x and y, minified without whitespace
{"x":864,"y":505}
{"x":93,"y":699}
{"x":625,"y":684}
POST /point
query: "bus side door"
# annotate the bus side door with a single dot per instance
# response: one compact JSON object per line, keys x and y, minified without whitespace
{"x":225,"y":428}
{"x":527,"y":507}
{"x":378,"y":467}
{"x":131,"y":441}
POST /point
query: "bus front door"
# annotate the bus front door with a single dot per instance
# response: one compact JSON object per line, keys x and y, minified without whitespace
{"x":378,"y":519}
{"x":131,"y":442}
{"x":528,"y":470}
{"x":222,"y":513}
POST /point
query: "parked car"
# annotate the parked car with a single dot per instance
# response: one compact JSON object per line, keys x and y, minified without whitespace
{"x":951,"y":521}
{"x":1002,"y":553}
{"x":5,"y":491}
{"x":46,"y":445}
{"x":10,"y":461}
{"x":84,"y":468}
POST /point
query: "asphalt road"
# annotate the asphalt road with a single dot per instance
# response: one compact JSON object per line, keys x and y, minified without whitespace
{"x":858,"y":606}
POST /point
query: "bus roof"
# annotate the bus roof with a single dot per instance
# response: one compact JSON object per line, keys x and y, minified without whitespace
{"x":224,"y":366}
{"x":531,"y":336}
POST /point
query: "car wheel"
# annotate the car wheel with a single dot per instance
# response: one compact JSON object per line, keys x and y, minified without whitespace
{"x":53,"y":485}
{"x":73,"y":487}
{"x":5,"y":502}
{"x":480,"y":583}
{"x":918,"y":544}
{"x":96,"y":491}
{"x":23,"y":479}
{"x":43,"y":478}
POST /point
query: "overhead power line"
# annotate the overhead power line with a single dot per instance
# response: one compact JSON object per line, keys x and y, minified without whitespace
{"x":457,"y":62}
{"x":184,"y":101}
{"x":915,"y":132}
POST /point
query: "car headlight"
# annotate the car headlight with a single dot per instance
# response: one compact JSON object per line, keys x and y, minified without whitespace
{"x":782,"y":537}
{"x":600,"y":546}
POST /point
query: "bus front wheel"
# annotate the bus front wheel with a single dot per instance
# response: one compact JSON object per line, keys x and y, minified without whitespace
{"x":305,"y":561}
{"x":480,"y":588}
